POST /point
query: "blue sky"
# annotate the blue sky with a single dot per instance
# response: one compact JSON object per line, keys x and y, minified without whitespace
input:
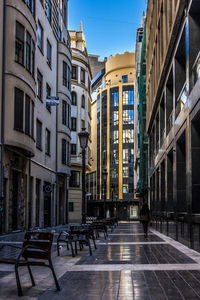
{"x":109,"y":25}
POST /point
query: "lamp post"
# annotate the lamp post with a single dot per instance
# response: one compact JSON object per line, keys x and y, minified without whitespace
{"x":104,"y":173}
{"x":83,"y":138}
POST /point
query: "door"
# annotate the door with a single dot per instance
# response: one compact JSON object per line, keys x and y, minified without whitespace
{"x":47,"y":205}
{"x":15,"y":200}
{"x":133,"y":212}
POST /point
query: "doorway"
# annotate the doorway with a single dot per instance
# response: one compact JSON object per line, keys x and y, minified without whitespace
{"x":15,"y":199}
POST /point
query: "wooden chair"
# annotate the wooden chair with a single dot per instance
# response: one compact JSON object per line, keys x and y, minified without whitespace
{"x":36,"y":251}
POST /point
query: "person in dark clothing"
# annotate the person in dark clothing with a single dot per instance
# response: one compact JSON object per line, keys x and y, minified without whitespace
{"x":145,"y":217}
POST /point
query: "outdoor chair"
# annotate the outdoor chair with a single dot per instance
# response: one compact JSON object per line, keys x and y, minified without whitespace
{"x":35,"y":251}
{"x":82,"y":234}
{"x":64,"y":237}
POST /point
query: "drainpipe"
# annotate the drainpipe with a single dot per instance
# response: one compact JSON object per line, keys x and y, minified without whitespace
{"x":2,"y":196}
{"x":56,"y":165}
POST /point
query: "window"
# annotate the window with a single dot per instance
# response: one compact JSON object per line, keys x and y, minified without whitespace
{"x":74,"y":180}
{"x":115,"y":156}
{"x":116,"y":117}
{"x":124,"y":78}
{"x":128,"y":97}
{"x":39,"y":135}
{"x":83,"y":101}
{"x":82,"y":124}
{"x":64,"y":14}
{"x":130,"y":188}
{"x":125,"y":156}
{"x":114,"y":173}
{"x":128,"y":117}
{"x":131,"y":156}
{"x":28,"y":51}
{"x":73,"y":98}
{"x":128,"y":136}
{"x":125,"y":172}
{"x":48,"y":53}
{"x":64,"y":74}
{"x":115,"y":96}
{"x":125,"y":188}
{"x":71,"y":206}
{"x":74,"y":72}
{"x":33,"y":58}
{"x":49,"y":8}
{"x":82,"y":75}
{"x":39,"y":84}
{"x":115,"y":136}
{"x":19,"y":43}
{"x":73,"y":149}
{"x":69,"y":117}
{"x":68,"y":153}
{"x":64,"y":112}
{"x":73,"y":124}
{"x":18,"y":110}
{"x":31,"y":6}
{"x":130,"y":171}
{"x":27,"y":114}
{"x":64,"y":152}
{"x":42,"y":2}
{"x":48,"y":93}
{"x":32,"y":118}
{"x":47,"y":142}
{"x":40,"y":36}
{"x":69,"y":78}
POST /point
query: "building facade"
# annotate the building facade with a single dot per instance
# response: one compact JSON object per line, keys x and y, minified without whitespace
{"x":173,"y":110}
{"x":80,"y":118}
{"x":137,"y":136}
{"x":35,"y":140}
{"x":113,"y":130}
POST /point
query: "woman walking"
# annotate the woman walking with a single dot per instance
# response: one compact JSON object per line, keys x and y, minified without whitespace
{"x":145,"y":217}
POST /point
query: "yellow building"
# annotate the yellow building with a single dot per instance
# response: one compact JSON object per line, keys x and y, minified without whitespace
{"x":113,"y":139}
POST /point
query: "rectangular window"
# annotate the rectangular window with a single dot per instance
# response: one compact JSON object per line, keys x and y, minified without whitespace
{"x":131,"y":156}
{"x":128,"y":116}
{"x":69,"y":78}
{"x":114,"y":173}
{"x":33,"y":58}
{"x":128,"y":97}
{"x":69,"y":116}
{"x":32,"y":119}
{"x":19,"y":43}
{"x":64,"y":152}
{"x":83,"y":101}
{"x":27,"y":115}
{"x":125,"y":79}
{"x":40,"y":36}
{"x":64,"y":14}
{"x":48,"y":93}
{"x":125,"y":172}
{"x":71,"y":206}
{"x":31,"y":6}
{"x":74,"y":72}
{"x":74,"y":180}
{"x":28,"y":51}
{"x":115,"y":97}
{"x":47,"y":142}
{"x":82,"y":75}
{"x":64,"y":74}
{"x":116,"y":117}
{"x":64,"y":112}
{"x":48,"y":53}
{"x":125,"y":156}
{"x":128,"y":136}
{"x":130,"y":171}
{"x":68,"y":153}
{"x":49,"y":9}
{"x":39,"y":135}
{"x":115,"y":136}
{"x":115,"y":156}
{"x":125,"y":188}
{"x":73,"y":98}
{"x":19,"y":110}
{"x":39,"y":84}
{"x":82,"y":124}
{"x":73,"y":124}
{"x":73,"y":149}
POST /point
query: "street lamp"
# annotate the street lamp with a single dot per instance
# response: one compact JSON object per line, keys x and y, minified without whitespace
{"x":83,"y":138}
{"x":104,"y":173}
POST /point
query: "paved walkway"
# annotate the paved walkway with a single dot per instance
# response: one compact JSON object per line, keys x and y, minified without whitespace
{"x":125,"y":266}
